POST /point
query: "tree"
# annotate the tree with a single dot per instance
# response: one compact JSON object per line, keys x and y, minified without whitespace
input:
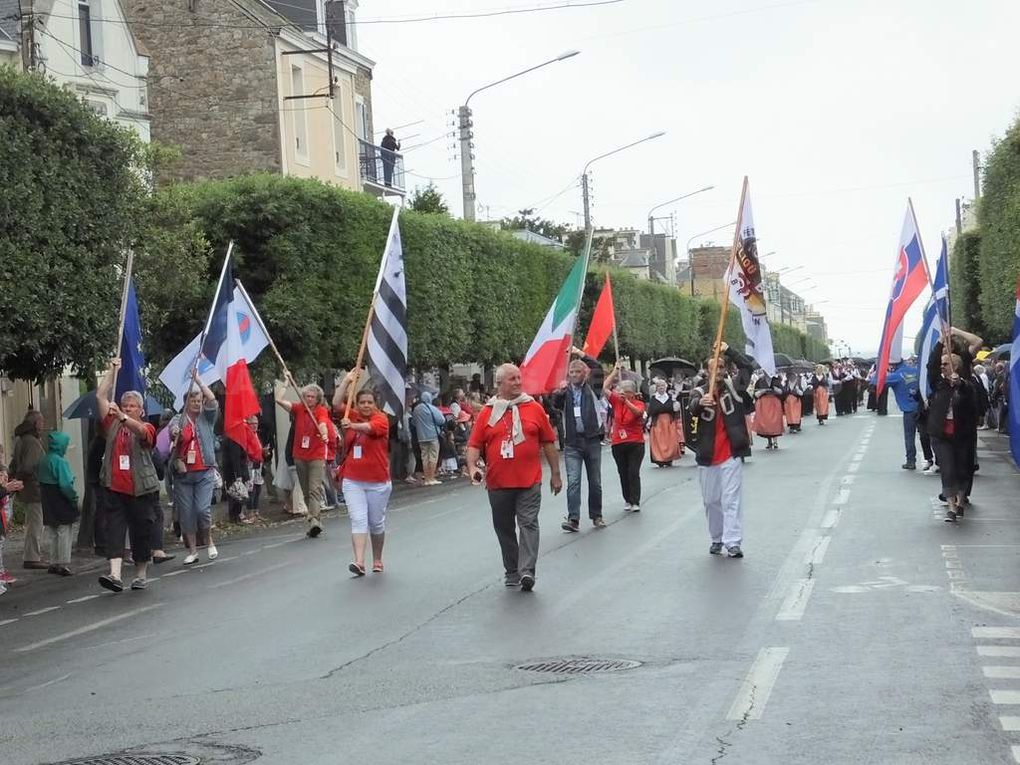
{"x":526,"y":219}
{"x":73,"y":193}
{"x":428,"y":200}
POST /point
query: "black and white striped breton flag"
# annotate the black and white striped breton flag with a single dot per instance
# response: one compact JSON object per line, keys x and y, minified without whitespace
{"x":387,"y":337}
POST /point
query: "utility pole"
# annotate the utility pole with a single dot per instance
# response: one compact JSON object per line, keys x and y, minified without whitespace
{"x":959,"y":218}
{"x":467,"y":162}
{"x":586,"y":200}
{"x":26,"y":14}
{"x":976,"y":158}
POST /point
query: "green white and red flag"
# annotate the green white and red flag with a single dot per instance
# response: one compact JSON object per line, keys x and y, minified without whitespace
{"x":545,"y":365}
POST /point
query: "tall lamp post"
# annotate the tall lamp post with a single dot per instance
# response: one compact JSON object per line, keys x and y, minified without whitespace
{"x":467,"y":159}
{"x":651,"y":219}
{"x":690,"y":262}
{"x":584,"y":174}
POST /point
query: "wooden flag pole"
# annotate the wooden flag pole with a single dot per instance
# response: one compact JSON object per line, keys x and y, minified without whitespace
{"x":580,"y":290}
{"x":123,"y":316}
{"x":717,"y":348}
{"x":616,"y":337}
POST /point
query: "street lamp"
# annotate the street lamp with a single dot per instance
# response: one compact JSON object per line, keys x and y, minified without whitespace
{"x":467,"y":160}
{"x":690,"y":263}
{"x":651,"y":220}
{"x":584,"y":173}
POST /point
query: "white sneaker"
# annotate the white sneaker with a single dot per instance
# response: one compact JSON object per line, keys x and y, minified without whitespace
{"x":193,"y":558}
{"x":213,"y":552}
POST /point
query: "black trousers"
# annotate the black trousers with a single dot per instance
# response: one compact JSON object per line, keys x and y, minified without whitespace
{"x":130,"y":515}
{"x":628,"y":462}
{"x":956,"y":465}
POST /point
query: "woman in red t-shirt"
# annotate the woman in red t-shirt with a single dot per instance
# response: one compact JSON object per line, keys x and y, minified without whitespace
{"x":628,"y":436}
{"x":366,"y":472}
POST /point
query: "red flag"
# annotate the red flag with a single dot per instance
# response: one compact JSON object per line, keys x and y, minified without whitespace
{"x":603,"y":321}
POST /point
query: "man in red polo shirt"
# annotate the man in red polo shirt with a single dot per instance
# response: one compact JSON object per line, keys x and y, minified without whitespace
{"x":510,"y":434}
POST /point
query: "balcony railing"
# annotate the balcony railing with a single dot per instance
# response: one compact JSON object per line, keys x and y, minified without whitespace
{"x":381,"y":168}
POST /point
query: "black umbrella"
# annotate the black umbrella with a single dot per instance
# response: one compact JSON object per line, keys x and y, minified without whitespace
{"x":782,"y":360}
{"x":671,"y":365}
{"x":802,"y":365}
{"x":1001,"y":352}
{"x":85,"y":407}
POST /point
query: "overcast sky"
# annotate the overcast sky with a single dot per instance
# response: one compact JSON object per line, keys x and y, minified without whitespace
{"x":837,"y":110}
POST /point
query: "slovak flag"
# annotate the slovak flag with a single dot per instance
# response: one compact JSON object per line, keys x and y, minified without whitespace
{"x":909,"y":280}
{"x":232,"y":321}
{"x":1014,"y":383}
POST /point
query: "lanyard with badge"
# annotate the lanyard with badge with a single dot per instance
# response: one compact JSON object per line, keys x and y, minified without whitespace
{"x":191,"y":456}
{"x":506,"y":449}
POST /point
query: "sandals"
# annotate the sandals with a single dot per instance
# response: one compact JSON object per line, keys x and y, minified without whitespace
{"x":357,"y":570}
{"x":377,"y":567}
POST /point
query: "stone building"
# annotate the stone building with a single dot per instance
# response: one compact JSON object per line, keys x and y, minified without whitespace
{"x":242,"y":86}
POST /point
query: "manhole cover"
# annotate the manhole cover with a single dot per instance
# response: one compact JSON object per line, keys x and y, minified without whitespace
{"x":579,"y":666}
{"x":138,"y":759}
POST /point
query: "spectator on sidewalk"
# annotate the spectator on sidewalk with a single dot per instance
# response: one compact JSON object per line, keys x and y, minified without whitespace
{"x":8,"y":487}
{"x":28,"y":452}
{"x":59,"y":501}
{"x":193,"y":462}
{"x":429,"y":424}
{"x":130,"y":479}
{"x":510,"y":433}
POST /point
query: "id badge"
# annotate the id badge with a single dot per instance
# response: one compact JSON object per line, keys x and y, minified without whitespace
{"x":577,"y":412}
{"x":192,"y":457}
{"x":306,"y":442}
{"x":357,"y":451}
{"x":506,"y":450}
{"x":623,"y":434}
{"x":125,"y":462}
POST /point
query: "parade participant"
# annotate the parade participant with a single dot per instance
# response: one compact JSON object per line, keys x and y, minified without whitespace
{"x":903,"y":379}
{"x":820,"y":385}
{"x":665,"y":434}
{"x":26,"y":455}
{"x":59,"y":501}
{"x":365,"y":472}
{"x":193,"y":463}
{"x":628,"y":436}
{"x":807,"y":398}
{"x":310,"y":419}
{"x":792,"y":402}
{"x":930,"y":467}
{"x":129,"y":477}
{"x":509,"y":433}
{"x":952,"y":416}
{"x":722,"y":438}
{"x":584,"y":418}
{"x":768,"y":410}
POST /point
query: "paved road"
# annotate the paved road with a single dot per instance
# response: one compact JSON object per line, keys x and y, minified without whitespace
{"x":858,"y":629}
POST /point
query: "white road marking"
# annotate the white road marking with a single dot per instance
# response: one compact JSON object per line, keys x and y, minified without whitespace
{"x":754,"y":693}
{"x":991,"y":633}
{"x":1015,"y":750}
{"x":1011,"y":651}
{"x":1009,"y":722}
{"x":47,"y":684}
{"x":82,"y":600}
{"x":178,"y":572}
{"x":817,"y":555}
{"x":830,"y":520}
{"x":280,"y":544}
{"x":1001,"y":672}
{"x":842,"y":497}
{"x":248,"y":576}
{"x":848,"y":480}
{"x":1005,"y":697}
{"x":42,"y":611}
{"x":7,"y":621}
{"x":796,"y":602}
{"x":849,"y":589}
{"x":856,"y":458}
{"x":853,"y":467}
{"x":86,"y":629}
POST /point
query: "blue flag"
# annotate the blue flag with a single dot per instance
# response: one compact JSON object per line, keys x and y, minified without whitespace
{"x":1014,"y":383}
{"x":131,"y":357}
{"x":936,"y":313}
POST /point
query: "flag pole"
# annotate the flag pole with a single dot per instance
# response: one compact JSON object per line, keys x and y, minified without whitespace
{"x":262,"y":325}
{"x":123,"y":315}
{"x":586,"y":254}
{"x":353,"y":387}
{"x":947,"y":341}
{"x":616,"y":337}
{"x":717,"y":347}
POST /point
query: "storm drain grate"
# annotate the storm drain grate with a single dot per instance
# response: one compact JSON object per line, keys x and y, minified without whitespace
{"x":579,"y":666}
{"x":138,"y":759}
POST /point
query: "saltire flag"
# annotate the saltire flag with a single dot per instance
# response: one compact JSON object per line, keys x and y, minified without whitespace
{"x":909,"y":281}
{"x":545,"y":365}
{"x":176,"y":376}
{"x":1014,"y":383}
{"x":387,"y":337}
{"x":603,"y":322}
{"x":132,"y":360}
{"x":746,"y":290}
{"x":936,"y":316}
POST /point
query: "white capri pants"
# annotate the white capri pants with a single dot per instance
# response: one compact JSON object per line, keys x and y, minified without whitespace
{"x":366,"y":505}
{"x":721,"y":489}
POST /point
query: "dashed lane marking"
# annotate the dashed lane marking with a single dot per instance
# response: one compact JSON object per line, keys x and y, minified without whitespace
{"x":831,"y":519}
{"x":853,"y":467}
{"x":995,"y":633}
{"x":42,"y":611}
{"x":1010,"y":723}
{"x":842,"y":497}
{"x":754,"y":693}
{"x":83,"y":599}
{"x":246,"y":577}
{"x":1002,"y":672}
{"x":848,"y":480}
{"x":1005,"y":697}
{"x":86,"y":629}
{"x":1001,"y":651}
{"x":7,"y":621}
{"x":796,"y":602}
{"x":817,"y":555}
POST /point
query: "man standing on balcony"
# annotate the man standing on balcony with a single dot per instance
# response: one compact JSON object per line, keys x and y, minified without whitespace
{"x":390,"y":145}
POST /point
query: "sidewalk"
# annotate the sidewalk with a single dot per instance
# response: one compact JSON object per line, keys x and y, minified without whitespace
{"x":272,"y":516}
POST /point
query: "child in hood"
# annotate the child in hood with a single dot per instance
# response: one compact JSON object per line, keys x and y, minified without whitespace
{"x":59,"y":501}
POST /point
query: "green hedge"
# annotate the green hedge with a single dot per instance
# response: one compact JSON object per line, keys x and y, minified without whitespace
{"x":965,"y":281}
{"x":308,"y":253}
{"x":999,"y":223}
